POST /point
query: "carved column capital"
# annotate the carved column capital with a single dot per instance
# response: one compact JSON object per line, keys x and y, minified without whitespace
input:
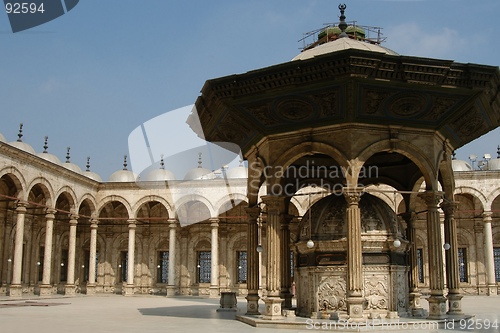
{"x":21,"y":207}
{"x":132,"y":223}
{"x":449,"y":207}
{"x":253,"y":213}
{"x":94,"y":223}
{"x":431,"y":198}
{"x":487,"y":216}
{"x":214,"y":222}
{"x":172,"y":223}
{"x":352,"y":195}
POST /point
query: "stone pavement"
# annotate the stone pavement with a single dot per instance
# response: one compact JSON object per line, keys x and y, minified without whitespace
{"x":114,"y":313}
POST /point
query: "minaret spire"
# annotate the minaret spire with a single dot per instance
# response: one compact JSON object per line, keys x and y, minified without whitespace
{"x":342,"y":24}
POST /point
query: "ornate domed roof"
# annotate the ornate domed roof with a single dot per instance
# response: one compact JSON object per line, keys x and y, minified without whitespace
{"x":124,"y":175}
{"x":49,"y":157}
{"x":23,"y":146}
{"x":93,"y":175}
{"x":73,"y":167}
{"x":199,"y":173}
{"x":237,"y":172}
{"x":159,"y":175}
{"x":2,"y":138}
{"x":460,"y":165}
{"x":45,"y":154}
{"x":341,"y":44}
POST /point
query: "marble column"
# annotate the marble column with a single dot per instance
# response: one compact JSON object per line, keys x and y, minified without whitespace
{"x":129,"y":288}
{"x":437,"y":301}
{"x":253,"y":264}
{"x":415,"y":295}
{"x":275,"y":216}
{"x":91,"y":284}
{"x":172,"y":224}
{"x":451,"y":259}
{"x":46,"y":287}
{"x":354,"y":255}
{"x":7,"y":260}
{"x":70,"y":288}
{"x":214,"y":258}
{"x":489,"y":260}
{"x":286,"y":278}
{"x":15,"y":289}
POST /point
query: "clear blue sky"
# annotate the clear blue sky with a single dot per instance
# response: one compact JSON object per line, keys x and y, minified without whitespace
{"x":88,"y":78}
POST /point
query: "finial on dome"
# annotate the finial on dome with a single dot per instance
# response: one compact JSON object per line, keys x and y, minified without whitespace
{"x":342,"y":24}
{"x":453,"y":155}
{"x":199,"y":160}
{"x":87,"y":166}
{"x":498,"y":151}
{"x":20,"y":134}
{"x":124,"y":162}
{"x":162,"y":164}
{"x":45,"y":144}
{"x":68,"y":155}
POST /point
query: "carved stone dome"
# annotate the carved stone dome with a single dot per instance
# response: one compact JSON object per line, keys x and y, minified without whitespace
{"x":50,"y":157}
{"x":237,"y":172}
{"x":329,"y":218}
{"x":23,"y":146}
{"x":460,"y":165}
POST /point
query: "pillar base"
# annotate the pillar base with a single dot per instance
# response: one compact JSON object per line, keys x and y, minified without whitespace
{"x":128,"y":290}
{"x":355,"y":309}
{"x":69,"y":289}
{"x":252,"y":304}
{"x":90,"y":289}
{"x":171,"y":291}
{"x":415,"y":306}
{"x":287,"y":300}
{"x":15,"y":290}
{"x":437,"y":307}
{"x":492,"y":290}
{"x":455,"y":305}
{"x":214,"y":292}
{"x":45,"y":290}
{"x":272,"y":308}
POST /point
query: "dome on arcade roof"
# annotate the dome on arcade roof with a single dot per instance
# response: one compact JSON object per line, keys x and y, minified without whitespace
{"x":2,"y":138}
{"x":19,"y":144}
{"x":46,"y":155}
{"x":495,"y":164}
{"x":71,"y":166}
{"x":90,"y":174}
{"x":237,"y":172}
{"x":460,"y":165}
{"x":124,"y":175}
{"x":160,"y":174}
{"x":199,"y":172}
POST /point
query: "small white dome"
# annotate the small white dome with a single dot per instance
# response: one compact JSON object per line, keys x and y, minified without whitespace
{"x":23,"y":146}
{"x":237,"y":172}
{"x":340,"y":45}
{"x":50,"y":157}
{"x":159,"y":175}
{"x":73,"y":167}
{"x":93,"y":175}
{"x":494,"y":164}
{"x":460,"y":165}
{"x":2,"y":138}
{"x":199,"y":173}
{"x":122,"y":176}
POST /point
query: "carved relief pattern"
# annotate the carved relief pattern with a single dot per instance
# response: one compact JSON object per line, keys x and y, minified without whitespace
{"x":328,"y":104}
{"x":332,"y":294}
{"x":373,"y":101}
{"x":440,"y":106}
{"x":407,"y":105}
{"x":294,"y":110}
{"x":262,"y":114}
{"x":232,"y":130}
{"x":401,"y":284}
{"x":470,"y":124}
{"x":376,"y":293}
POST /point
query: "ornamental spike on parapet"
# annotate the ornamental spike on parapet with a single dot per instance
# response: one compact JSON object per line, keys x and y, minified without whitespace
{"x":45,"y":144}
{"x":125,"y":162}
{"x":68,"y":157}
{"x":20,"y":134}
{"x":342,"y":24}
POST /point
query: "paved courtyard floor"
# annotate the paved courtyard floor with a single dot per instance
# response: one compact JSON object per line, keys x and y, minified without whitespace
{"x":114,"y":313}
